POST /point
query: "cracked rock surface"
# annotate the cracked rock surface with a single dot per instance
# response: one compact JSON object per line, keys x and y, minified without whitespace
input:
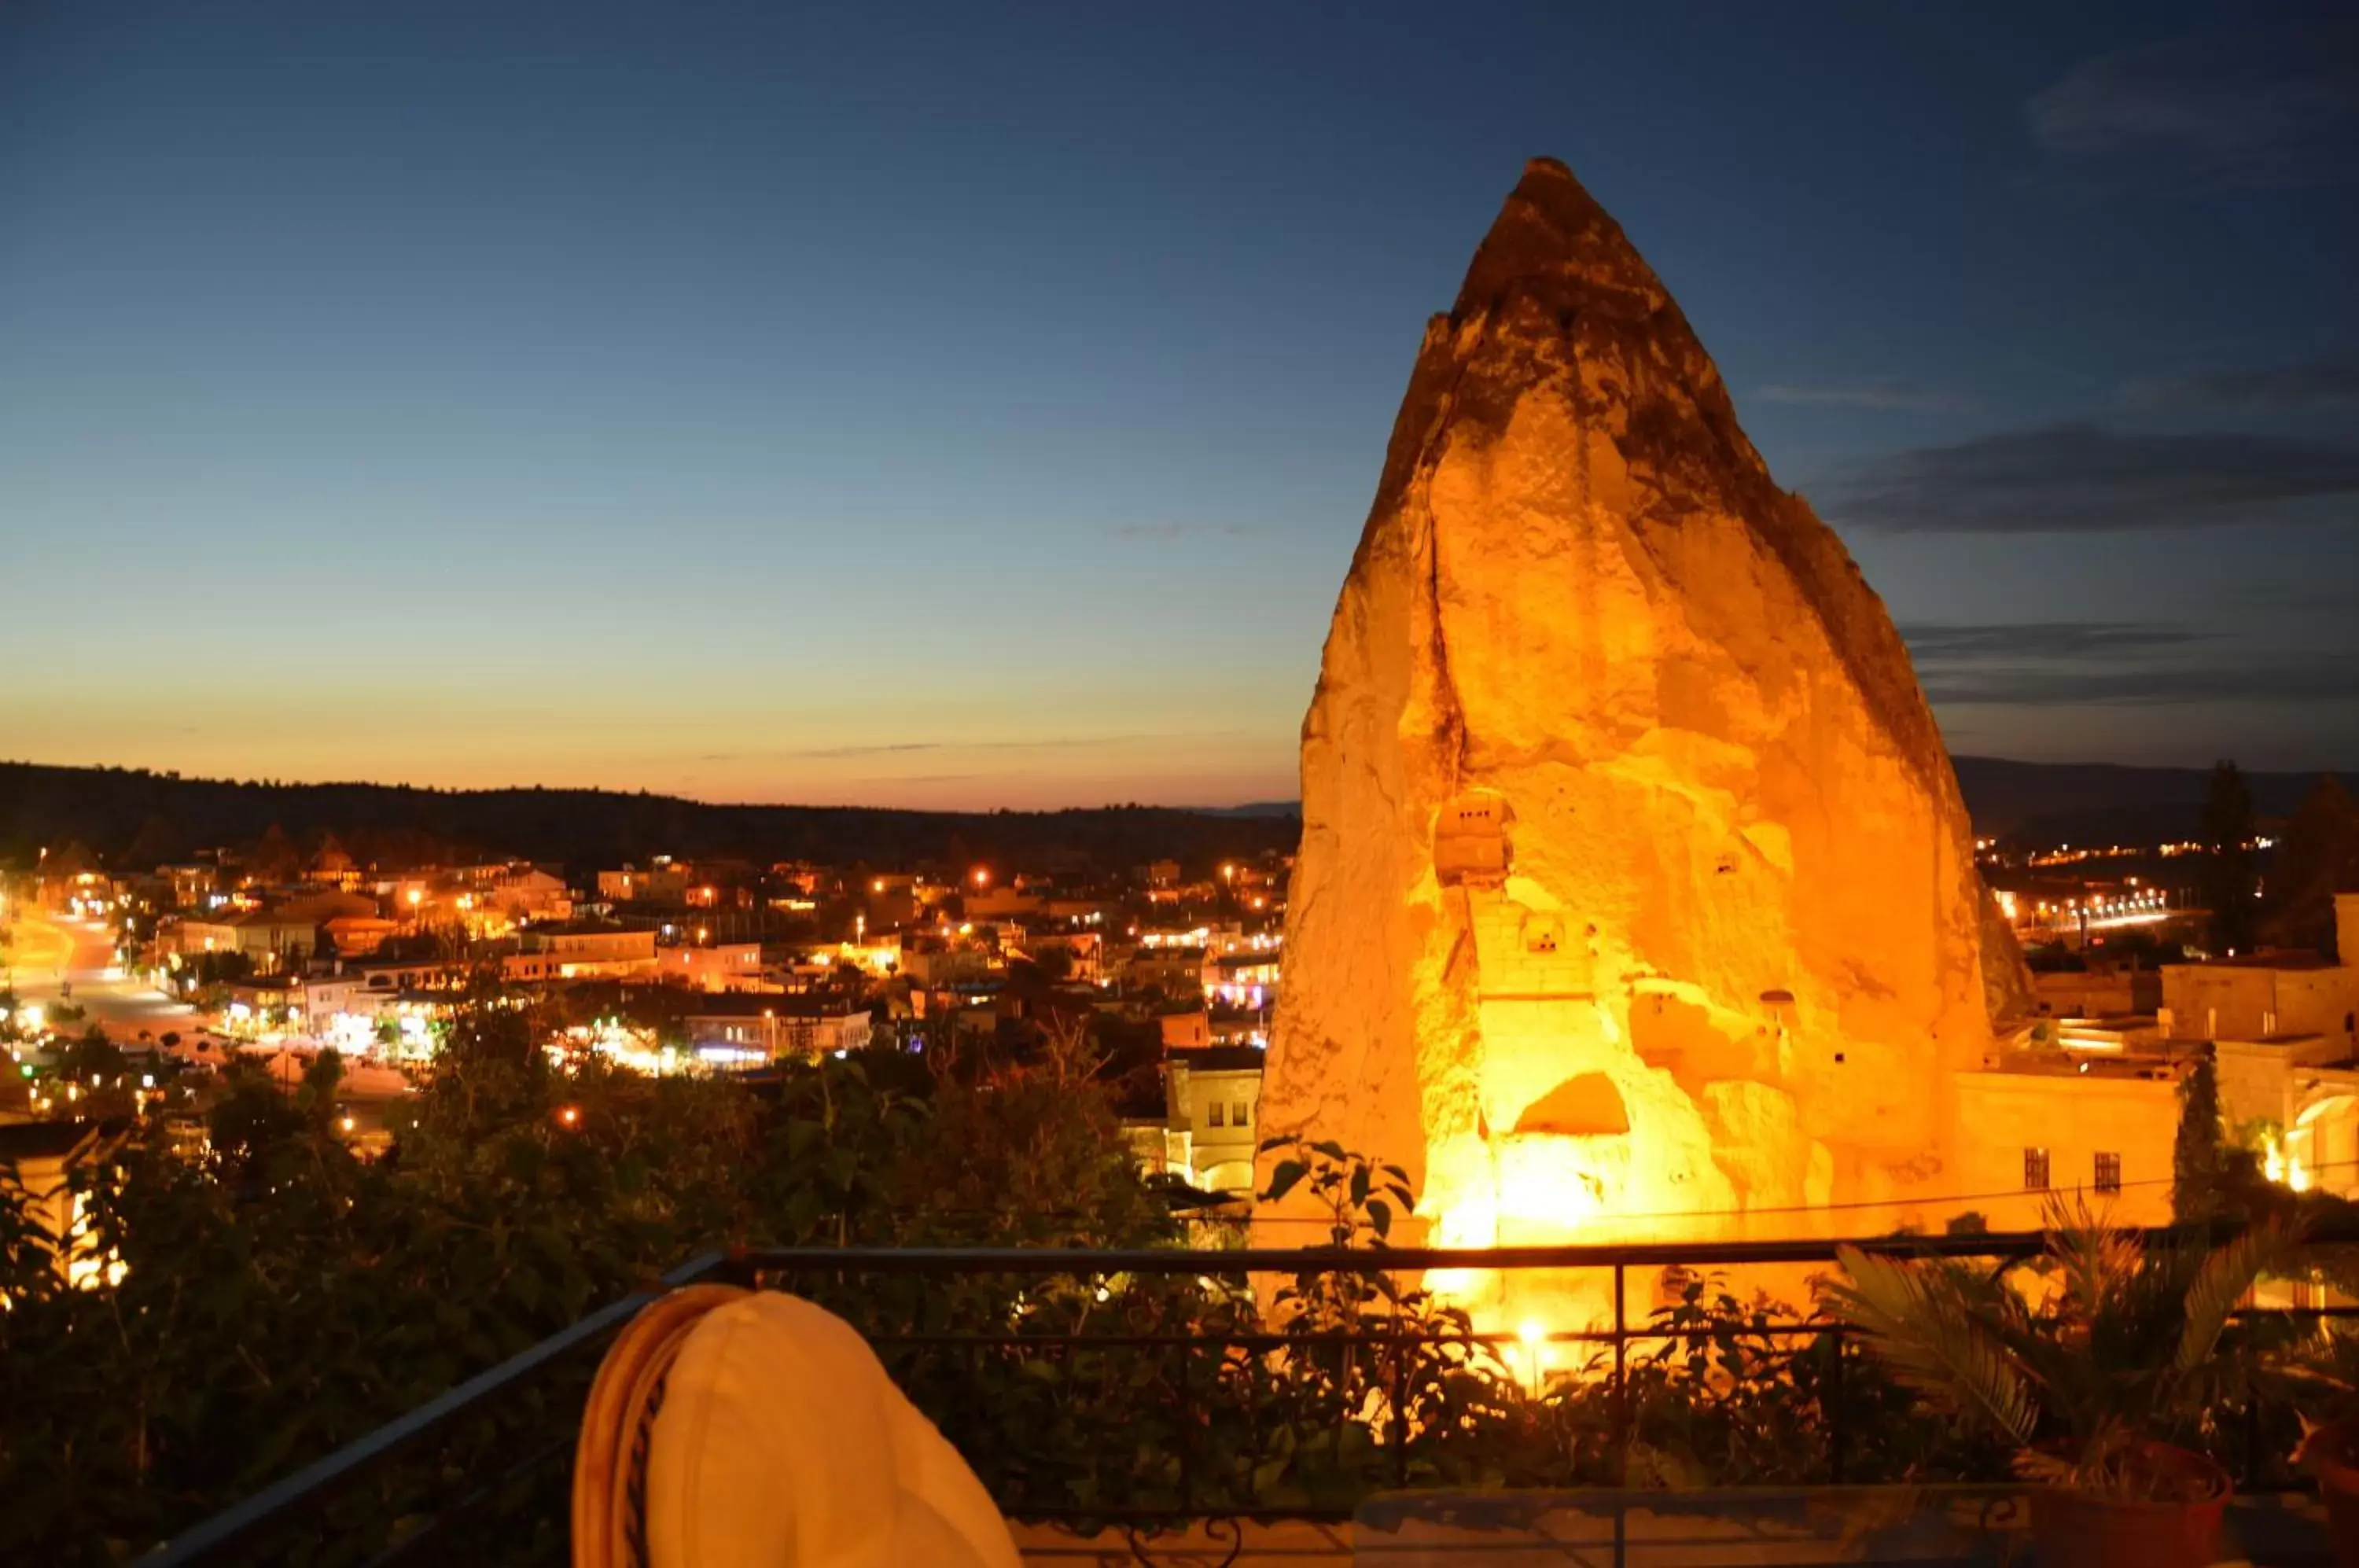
{"x":1635,"y":881}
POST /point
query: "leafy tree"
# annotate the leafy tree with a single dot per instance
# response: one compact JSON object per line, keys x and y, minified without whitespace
{"x":2318,"y":855}
{"x":2198,"y":1160}
{"x":2229,"y":877}
{"x":91,"y":1057}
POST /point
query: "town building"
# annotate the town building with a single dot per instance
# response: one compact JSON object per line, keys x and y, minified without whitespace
{"x":942,"y":964}
{"x":2036,"y":1123}
{"x":388,"y":976}
{"x":518,"y":890}
{"x":300,"y":1004}
{"x":2097,"y":989}
{"x":715,"y":966}
{"x":777,"y":1028}
{"x":2269,"y":994}
{"x":1214,"y":1116}
{"x":1080,"y":953}
{"x":39,"y":1163}
{"x":583,"y":949}
{"x":332,"y":865}
{"x":1246,"y":978}
{"x":272,"y":935}
{"x":1186,"y":1031}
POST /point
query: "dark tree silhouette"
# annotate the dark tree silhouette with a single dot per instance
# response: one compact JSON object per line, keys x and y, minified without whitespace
{"x":2229,"y":881}
{"x":2198,"y":1163}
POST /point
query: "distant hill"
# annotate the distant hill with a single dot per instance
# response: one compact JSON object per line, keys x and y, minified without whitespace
{"x":2068,"y":802}
{"x":1258,"y":809}
{"x":2097,"y":803}
{"x":133,"y":818}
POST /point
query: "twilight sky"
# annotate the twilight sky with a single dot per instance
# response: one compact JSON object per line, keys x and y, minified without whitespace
{"x":905,"y":406}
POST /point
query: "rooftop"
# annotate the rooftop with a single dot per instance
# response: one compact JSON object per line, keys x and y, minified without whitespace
{"x":1219,"y":1058}
{"x":785,"y":1005}
{"x":2290,"y":958}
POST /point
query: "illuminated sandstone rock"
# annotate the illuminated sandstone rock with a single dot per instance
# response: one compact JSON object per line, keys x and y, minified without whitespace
{"x":1635,"y":882}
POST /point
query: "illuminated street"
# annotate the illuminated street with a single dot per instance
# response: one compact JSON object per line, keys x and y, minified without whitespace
{"x":50,"y":954}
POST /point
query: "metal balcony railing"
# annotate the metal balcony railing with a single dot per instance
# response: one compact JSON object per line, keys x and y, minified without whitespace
{"x":395,"y":1496}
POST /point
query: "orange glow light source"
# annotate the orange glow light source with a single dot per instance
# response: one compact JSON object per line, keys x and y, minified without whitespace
{"x":981,"y":877}
{"x":571,"y":1116}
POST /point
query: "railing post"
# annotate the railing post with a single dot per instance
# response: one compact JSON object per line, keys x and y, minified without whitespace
{"x":1187,"y":1425}
{"x":1620,"y":1416}
{"x":1400,"y":1401}
{"x":1621,"y":1388}
{"x":1835,"y":1410}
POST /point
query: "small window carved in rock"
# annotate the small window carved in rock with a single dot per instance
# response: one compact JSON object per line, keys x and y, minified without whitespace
{"x":1469,"y":838}
{"x":1542,"y":933}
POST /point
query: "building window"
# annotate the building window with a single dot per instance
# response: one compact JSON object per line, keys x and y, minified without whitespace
{"x":2109,"y":1172}
{"x":2035,"y":1169}
{"x":1213,"y":1117}
{"x":1237,"y":1115}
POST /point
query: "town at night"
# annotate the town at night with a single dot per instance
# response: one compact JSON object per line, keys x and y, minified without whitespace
{"x":844,"y":789}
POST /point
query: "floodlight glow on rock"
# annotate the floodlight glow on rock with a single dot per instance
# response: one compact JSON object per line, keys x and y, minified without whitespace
{"x":1637,"y":897}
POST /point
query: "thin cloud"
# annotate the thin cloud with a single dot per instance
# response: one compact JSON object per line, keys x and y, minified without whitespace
{"x":834,"y":752}
{"x":1171,"y":532}
{"x":1977,"y":641}
{"x":2264,"y":106}
{"x":2084,"y":478}
{"x":2331,"y":382}
{"x":1883,"y":397}
{"x":2276,"y":679}
{"x":1034,"y":743}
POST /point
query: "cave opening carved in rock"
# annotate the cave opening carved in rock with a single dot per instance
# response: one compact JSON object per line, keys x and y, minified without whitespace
{"x":1584,"y":1105}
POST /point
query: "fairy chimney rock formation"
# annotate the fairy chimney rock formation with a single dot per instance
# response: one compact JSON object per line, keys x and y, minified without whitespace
{"x":1635,"y":882}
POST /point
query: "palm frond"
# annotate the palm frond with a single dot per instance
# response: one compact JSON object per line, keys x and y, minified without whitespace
{"x":2098,"y":1261}
{"x":2045,"y":1469}
{"x":1923,"y":1320}
{"x":2221,"y":1281}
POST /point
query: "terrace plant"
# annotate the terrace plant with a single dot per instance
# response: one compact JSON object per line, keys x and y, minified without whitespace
{"x":2088,"y":1388}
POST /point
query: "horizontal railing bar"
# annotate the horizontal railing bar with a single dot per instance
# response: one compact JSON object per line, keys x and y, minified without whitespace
{"x":1382,"y":1337}
{"x":1050,"y":1260}
{"x":1380,"y":1259}
{"x":314,"y":1484}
